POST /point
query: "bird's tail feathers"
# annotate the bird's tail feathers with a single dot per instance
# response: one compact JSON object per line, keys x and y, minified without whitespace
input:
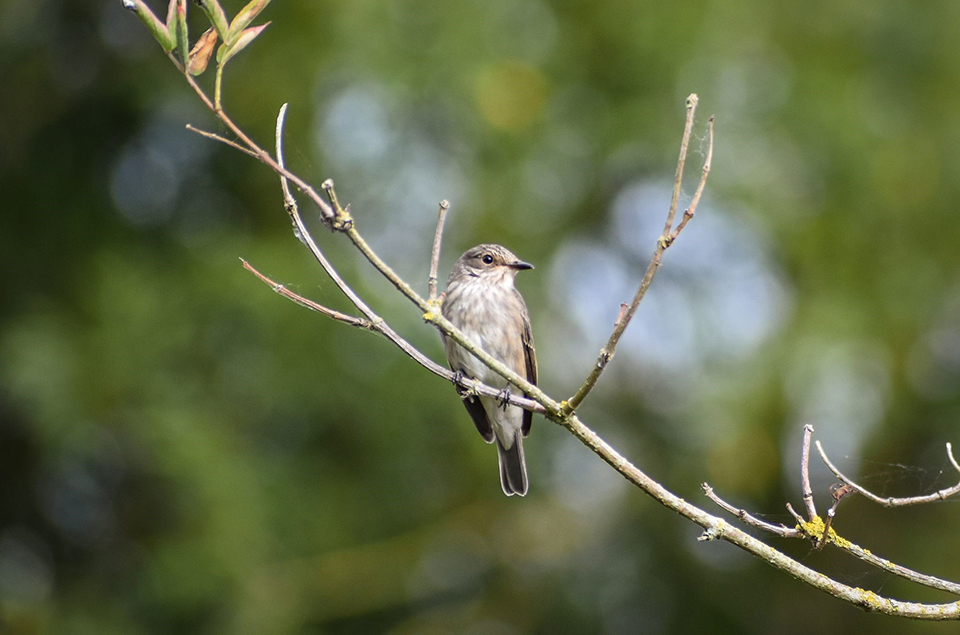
{"x":513,"y":467}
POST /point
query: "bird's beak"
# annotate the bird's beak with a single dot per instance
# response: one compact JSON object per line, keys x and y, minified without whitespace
{"x":519,"y":264}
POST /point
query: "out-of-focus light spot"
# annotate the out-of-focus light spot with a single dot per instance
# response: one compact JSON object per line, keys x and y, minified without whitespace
{"x":582,"y":483}
{"x":144,"y":184}
{"x":26,"y":570}
{"x":718,"y":295}
{"x":355,"y":127}
{"x":78,"y":505}
{"x":841,"y":389}
{"x":510,"y":95}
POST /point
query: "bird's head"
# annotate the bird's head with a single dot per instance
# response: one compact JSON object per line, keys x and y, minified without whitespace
{"x":490,"y":262}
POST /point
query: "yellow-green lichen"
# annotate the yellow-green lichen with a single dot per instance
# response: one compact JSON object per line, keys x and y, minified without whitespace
{"x":814,"y":528}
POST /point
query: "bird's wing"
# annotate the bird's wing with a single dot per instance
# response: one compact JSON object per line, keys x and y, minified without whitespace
{"x":474,"y":408}
{"x":479,"y":416}
{"x":530,"y":356}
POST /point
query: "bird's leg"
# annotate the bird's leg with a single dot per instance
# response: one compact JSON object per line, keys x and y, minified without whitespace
{"x":503,"y":398}
{"x":464,"y":391}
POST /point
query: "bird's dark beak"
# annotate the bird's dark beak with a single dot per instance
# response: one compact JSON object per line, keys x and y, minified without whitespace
{"x":519,"y":264}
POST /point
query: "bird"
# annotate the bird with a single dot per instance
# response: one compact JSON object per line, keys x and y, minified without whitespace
{"x":482,"y":301}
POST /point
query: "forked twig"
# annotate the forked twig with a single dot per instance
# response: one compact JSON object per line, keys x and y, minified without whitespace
{"x":663,"y":242}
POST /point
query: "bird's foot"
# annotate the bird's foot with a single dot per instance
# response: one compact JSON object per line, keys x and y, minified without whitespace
{"x":503,"y":398}
{"x":466,"y":392}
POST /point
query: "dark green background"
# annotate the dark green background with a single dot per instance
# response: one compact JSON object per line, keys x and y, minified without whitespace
{"x":181,"y":451}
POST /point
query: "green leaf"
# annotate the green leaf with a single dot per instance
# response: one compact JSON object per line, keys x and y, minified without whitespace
{"x":217,"y":17}
{"x":202,"y":51}
{"x":247,"y":15}
{"x":171,"y":14}
{"x":160,"y":32}
{"x":183,"y":36}
{"x":247,"y":36}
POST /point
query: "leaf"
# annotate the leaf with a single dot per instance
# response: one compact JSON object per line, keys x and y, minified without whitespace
{"x":171,"y":14}
{"x":247,"y":15}
{"x":217,"y":17}
{"x":182,"y":34}
{"x":160,"y":32}
{"x":202,"y":51}
{"x":241,"y":42}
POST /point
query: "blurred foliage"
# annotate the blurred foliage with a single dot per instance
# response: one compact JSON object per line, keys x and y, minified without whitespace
{"x":183,"y":451}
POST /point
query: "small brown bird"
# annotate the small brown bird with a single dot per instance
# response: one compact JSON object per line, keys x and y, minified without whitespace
{"x":481,"y":301}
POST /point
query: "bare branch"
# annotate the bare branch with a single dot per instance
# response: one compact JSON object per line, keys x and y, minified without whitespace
{"x":690,"y":211}
{"x":745,"y":517}
{"x":224,"y":140}
{"x":663,"y":242}
{"x":435,"y":254}
{"x":839,"y":491}
{"x":310,"y":304}
{"x":805,"y":488}
{"x":714,"y":527}
{"x":678,"y":179}
{"x":893,"y":501}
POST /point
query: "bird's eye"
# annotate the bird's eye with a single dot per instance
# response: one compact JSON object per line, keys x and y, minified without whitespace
{"x":487,"y":260}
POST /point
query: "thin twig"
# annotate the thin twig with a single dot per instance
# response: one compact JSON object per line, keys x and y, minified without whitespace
{"x":289,"y":203}
{"x":435,"y":254}
{"x":894,"y":501}
{"x":216,"y":137}
{"x":744,"y":516}
{"x":690,"y":211}
{"x":805,"y":488}
{"x":797,"y":517}
{"x":326,"y":213}
{"x":678,"y":179}
{"x":839,"y":491}
{"x":663,"y":242}
{"x":304,"y":302}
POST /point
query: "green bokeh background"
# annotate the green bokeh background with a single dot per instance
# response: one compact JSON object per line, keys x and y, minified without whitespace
{"x":182,"y":451}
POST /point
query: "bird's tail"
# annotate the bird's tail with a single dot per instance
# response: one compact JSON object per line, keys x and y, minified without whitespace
{"x":513,"y":468}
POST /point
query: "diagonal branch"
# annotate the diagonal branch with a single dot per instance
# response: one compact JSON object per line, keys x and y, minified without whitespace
{"x":715,"y":527}
{"x":663,"y":242}
{"x":892,"y":501}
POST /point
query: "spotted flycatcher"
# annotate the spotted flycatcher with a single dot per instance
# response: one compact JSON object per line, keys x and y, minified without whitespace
{"x":482,"y":301}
